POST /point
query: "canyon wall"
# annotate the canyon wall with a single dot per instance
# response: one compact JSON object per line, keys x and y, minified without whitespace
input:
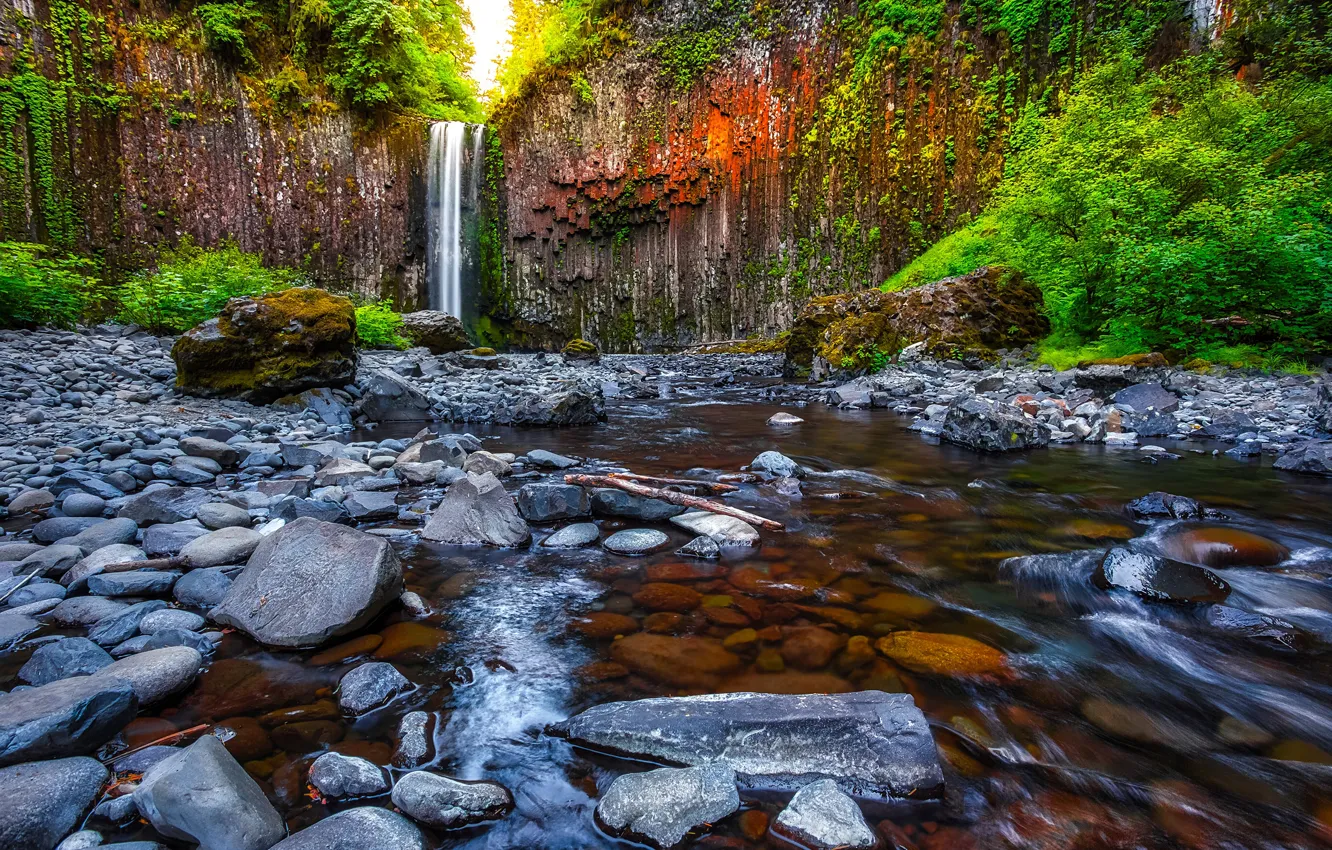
{"x":733,"y":160}
{"x":120,"y":132}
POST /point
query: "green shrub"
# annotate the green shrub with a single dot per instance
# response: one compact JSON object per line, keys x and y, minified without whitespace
{"x":377,"y":326}
{"x":192,"y":284}
{"x":957,"y":253}
{"x":38,"y":287}
{"x":225,"y":28}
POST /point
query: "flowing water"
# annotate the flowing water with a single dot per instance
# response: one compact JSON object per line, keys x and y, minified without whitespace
{"x":1115,"y":723}
{"x":452,"y":188}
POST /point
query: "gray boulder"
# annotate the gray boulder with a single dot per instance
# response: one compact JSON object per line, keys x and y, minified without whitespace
{"x":43,"y":801}
{"x":202,"y":588}
{"x":217,"y":548}
{"x":364,"y":828}
{"x":776,"y":463}
{"x":156,"y":673}
{"x":477,"y":510}
{"x":446,"y":803}
{"x":573,"y":536}
{"x":137,"y":583}
{"x":76,"y":579}
{"x":872,"y":744}
{"x":166,"y":504}
{"x":984,"y":425}
{"x":309,"y":582}
{"x":726,"y":530}
{"x":386,"y":397}
{"x":60,"y":527}
{"x":436,"y":330}
{"x":217,"y":515}
{"x":608,"y":501}
{"x":821,"y":817}
{"x":118,"y":628}
{"x":202,"y":795}
{"x":662,"y":806}
{"x":85,"y":610}
{"x":1158,"y":579}
{"x":549,"y":502}
{"x":65,"y":718}
{"x":1311,"y":458}
{"x":1148,"y":396}
{"x":62,"y":659}
{"x":370,"y":686}
{"x":55,"y":560}
{"x":542,"y":459}
{"x":635,"y":541}
{"x":169,"y":538}
{"x":105,"y":532}
{"x":83,"y":505}
{"x":215,"y":450}
{"x":338,"y":776}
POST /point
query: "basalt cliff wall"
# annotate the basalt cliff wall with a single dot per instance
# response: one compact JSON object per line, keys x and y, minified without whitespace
{"x":733,"y":160}
{"x":120,"y":131}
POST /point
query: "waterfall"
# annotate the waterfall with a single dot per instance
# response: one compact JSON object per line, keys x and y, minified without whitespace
{"x":451,"y":263}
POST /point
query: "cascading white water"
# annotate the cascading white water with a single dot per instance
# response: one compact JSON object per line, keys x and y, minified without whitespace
{"x":444,"y":202}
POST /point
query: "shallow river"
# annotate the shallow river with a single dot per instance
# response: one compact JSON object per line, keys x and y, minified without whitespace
{"x":1112,"y":722}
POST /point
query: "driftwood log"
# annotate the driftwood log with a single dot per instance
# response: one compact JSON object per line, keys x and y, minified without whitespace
{"x":174,"y":563}
{"x":709,"y":486}
{"x":696,"y":502}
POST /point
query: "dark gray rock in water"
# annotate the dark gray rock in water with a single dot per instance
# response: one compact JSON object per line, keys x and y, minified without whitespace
{"x":702,"y":546}
{"x":202,"y":588}
{"x":776,"y":463}
{"x":167,"y":504}
{"x":436,"y":330}
{"x":14,"y":627}
{"x":1271,"y":632}
{"x":821,"y":817}
{"x":576,"y":406}
{"x":62,"y":659}
{"x":872,"y":744}
{"x":58,"y":528}
{"x":43,"y":801}
{"x":37,"y":590}
{"x":1159,"y":504}
{"x":369,"y":506}
{"x":137,"y":583}
{"x":1159,"y":579}
{"x":1311,"y":458}
{"x":446,"y":803}
{"x":1148,"y":396}
{"x":177,"y":638}
{"x":661,"y":806}
{"x":364,"y":828}
{"x":338,"y":776}
{"x":549,"y":502}
{"x":635,"y":541}
{"x":157,"y":673}
{"x":202,"y":795}
{"x":370,"y":686}
{"x":573,"y":536}
{"x":311,"y":581}
{"x":607,"y":501}
{"x":386,"y":397}
{"x":988,"y":426}
{"x":119,"y":628}
{"x":65,"y":718}
{"x":542,"y":459}
{"x":476,"y":510}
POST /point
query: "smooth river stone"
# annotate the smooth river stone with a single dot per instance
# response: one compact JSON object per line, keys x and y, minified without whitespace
{"x":662,"y":806}
{"x":635,"y":541}
{"x":573,"y":536}
{"x":821,"y":817}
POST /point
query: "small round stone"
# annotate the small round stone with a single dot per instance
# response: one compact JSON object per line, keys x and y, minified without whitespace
{"x":635,"y":541}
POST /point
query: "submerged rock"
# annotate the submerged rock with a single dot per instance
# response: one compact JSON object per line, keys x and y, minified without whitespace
{"x":269,"y":346}
{"x":988,"y":426}
{"x":661,"y":806}
{"x":635,"y":541}
{"x":43,"y":801}
{"x":685,"y":662}
{"x":1159,"y":579}
{"x":477,"y":510}
{"x":446,"y":803}
{"x":364,"y":828}
{"x":872,"y":744}
{"x":1224,"y":547}
{"x":943,"y":654}
{"x":1159,"y":504}
{"x":725,"y":530}
{"x":821,"y":817}
{"x":309,"y":582}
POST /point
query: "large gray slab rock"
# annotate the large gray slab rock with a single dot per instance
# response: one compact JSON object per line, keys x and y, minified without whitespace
{"x":76,"y":579}
{"x":1149,"y":396}
{"x":62,"y":659}
{"x":168,"y":504}
{"x":364,"y":828}
{"x":386,"y":397}
{"x":549,"y":502}
{"x":873,"y":744}
{"x":65,"y":718}
{"x":1311,"y":458}
{"x":442,"y":802}
{"x":726,"y":530}
{"x":338,"y":776}
{"x":43,"y":801}
{"x":156,"y":674}
{"x":309,"y":582}
{"x":821,"y":817}
{"x":225,"y":546}
{"x":608,"y":501}
{"x":203,"y":795}
{"x":477,"y":510}
{"x":776,"y":463}
{"x":436,"y":330}
{"x":988,"y":426}
{"x":370,"y":686}
{"x":662,"y":806}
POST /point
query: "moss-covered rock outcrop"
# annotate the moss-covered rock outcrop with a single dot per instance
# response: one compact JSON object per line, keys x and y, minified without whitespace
{"x":263,"y":348}
{"x":968,"y":315}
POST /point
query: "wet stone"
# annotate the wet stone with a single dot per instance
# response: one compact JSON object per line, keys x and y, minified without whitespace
{"x":164,"y":505}
{"x":821,"y":817}
{"x":1160,"y":504}
{"x":62,"y":659}
{"x":138,"y":583}
{"x":476,"y":510}
{"x":662,"y":806}
{"x":725,"y":530}
{"x":635,"y":541}
{"x":156,"y":674}
{"x":170,"y":618}
{"x":370,"y":686}
{"x":120,"y":627}
{"x":1158,"y":579}
{"x":542,"y":459}
{"x":64,"y":718}
{"x":608,"y":501}
{"x":340,"y":776}
{"x":550,"y":502}
{"x":1224,"y":547}
{"x":364,"y":828}
{"x":219,"y":515}
{"x":1272,"y":632}
{"x":573,"y":536}
{"x":42,"y":801}
{"x":202,"y":588}
{"x":778,"y":464}
{"x":439,"y":801}
{"x":702,"y":546}
{"x":217,"y":548}
{"x":414,"y":742}
{"x":943,"y":654}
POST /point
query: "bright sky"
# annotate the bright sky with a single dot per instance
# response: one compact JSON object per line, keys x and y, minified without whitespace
{"x":490,"y":36}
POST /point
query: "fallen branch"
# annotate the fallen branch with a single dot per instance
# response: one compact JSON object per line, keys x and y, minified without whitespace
{"x":26,"y":579}
{"x":150,"y":564}
{"x":697,"y":502}
{"x":165,"y":739}
{"x":710,"y":486}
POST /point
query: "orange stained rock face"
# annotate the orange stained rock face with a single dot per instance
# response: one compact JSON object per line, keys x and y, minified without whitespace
{"x":943,"y":654}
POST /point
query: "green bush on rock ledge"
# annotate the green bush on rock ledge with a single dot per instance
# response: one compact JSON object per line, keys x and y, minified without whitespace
{"x":378,"y":326}
{"x":42,"y":287}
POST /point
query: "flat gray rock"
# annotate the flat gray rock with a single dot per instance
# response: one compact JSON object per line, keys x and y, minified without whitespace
{"x":217,"y":515}
{"x":137,"y":583}
{"x":364,"y":828}
{"x":156,"y":673}
{"x":446,"y":803}
{"x":726,"y":530}
{"x":43,"y":801}
{"x":476,"y":510}
{"x":85,"y":610}
{"x":608,"y":501}
{"x":635,"y":541}
{"x":65,"y":718}
{"x":202,"y":795}
{"x":63,"y":659}
{"x":166,"y":504}
{"x":171,"y":537}
{"x":662,"y":806}
{"x":369,"y":686}
{"x":76,"y":579}
{"x":55,"y":560}
{"x":338,"y":776}
{"x":218,"y":548}
{"x":105,"y":533}
{"x":573,"y":536}
{"x":873,"y":744}
{"x":821,"y":817}
{"x":309,"y":582}
{"x":171,"y":618}
{"x":542,"y":459}
{"x":119,"y":628}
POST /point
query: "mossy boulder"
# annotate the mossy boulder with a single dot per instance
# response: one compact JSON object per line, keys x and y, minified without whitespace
{"x":436,"y":330}
{"x":270,"y":346}
{"x":581,"y":350}
{"x":970,"y":315}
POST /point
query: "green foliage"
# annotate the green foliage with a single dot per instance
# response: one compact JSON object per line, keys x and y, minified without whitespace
{"x":958,"y":253}
{"x":684,"y":57}
{"x":1285,"y":36}
{"x":550,"y":35}
{"x":192,"y":284}
{"x":40,"y":287}
{"x":582,"y":89}
{"x":225,"y":27}
{"x":378,"y":326}
{"x":868,"y":359}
